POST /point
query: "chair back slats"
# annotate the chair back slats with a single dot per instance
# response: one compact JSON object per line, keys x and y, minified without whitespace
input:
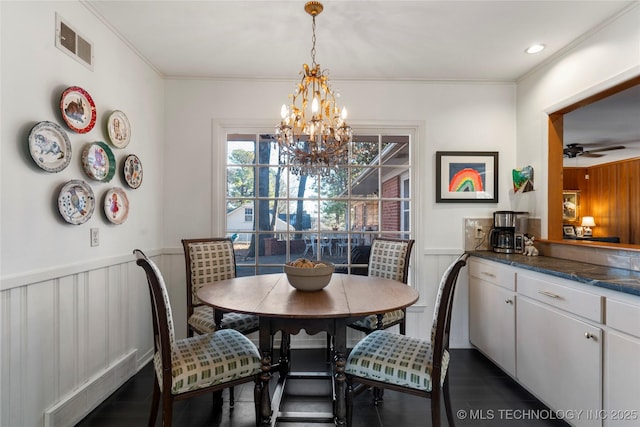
{"x":208,"y":260}
{"x":389,"y":258}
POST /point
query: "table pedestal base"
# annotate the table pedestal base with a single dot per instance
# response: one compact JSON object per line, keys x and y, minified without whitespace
{"x":270,"y":408}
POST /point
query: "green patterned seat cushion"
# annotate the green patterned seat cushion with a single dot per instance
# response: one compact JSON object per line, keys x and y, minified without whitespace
{"x":205,"y":360}
{"x":396,"y":359}
{"x":371,"y":322}
{"x":202,"y":321}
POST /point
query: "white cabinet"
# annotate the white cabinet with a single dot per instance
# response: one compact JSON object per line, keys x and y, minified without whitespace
{"x":622,"y":364}
{"x":492,"y":302}
{"x":574,"y":346}
{"x":560,"y":359}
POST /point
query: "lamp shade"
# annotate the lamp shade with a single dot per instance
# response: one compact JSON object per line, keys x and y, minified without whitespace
{"x":587,"y":221}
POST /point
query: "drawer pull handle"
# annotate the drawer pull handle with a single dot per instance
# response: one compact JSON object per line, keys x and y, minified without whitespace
{"x":549,"y":294}
{"x":509,"y":301}
{"x":488,"y":274}
{"x":589,"y":336}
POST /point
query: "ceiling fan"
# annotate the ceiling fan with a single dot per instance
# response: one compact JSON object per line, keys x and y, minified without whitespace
{"x":576,"y":150}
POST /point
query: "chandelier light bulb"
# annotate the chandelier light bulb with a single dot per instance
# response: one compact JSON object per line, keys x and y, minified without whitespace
{"x":284,"y":111}
{"x":314,"y":105}
{"x":344,"y":113}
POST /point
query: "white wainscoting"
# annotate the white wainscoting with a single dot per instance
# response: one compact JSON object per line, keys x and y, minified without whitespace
{"x":70,"y":340}
{"x":70,"y":337}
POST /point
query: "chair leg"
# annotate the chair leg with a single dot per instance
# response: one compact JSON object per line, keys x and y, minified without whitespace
{"x":447,"y":402}
{"x":329,"y":347}
{"x":167,"y":409}
{"x":155,"y":402}
{"x":232,"y":400}
{"x":435,"y":407}
{"x":378,"y":395}
{"x":217,"y":400}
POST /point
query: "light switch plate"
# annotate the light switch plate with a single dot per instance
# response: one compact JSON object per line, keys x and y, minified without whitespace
{"x":95,"y":237}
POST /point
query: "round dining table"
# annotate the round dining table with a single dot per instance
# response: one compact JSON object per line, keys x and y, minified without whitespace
{"x":281,"y":307}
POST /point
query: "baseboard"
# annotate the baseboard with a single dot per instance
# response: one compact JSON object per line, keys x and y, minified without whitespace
{"x":78,"y":404}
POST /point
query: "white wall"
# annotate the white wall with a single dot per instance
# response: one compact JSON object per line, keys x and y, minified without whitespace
{"x":72,"y":317}
{"x":601,"y":60}
{"x":446,"y":116}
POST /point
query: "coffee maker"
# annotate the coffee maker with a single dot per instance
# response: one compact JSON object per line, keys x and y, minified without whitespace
{"x":507,"y":234}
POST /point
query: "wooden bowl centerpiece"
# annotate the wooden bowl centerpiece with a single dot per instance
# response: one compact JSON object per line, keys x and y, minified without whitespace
{"x":307,"y":275}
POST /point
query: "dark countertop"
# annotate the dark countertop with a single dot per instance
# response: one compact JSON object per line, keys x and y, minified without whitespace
{"x":617,"y":279}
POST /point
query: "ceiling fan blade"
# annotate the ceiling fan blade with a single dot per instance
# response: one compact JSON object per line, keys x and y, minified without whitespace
{"x":597,"y":150}
{"x":589,"y":154}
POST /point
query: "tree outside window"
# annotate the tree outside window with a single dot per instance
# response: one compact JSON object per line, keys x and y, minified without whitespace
{"x":324,"y":218}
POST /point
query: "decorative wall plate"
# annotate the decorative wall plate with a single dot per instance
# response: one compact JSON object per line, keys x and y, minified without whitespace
{"x":119,"y":129}
{"x":132,"y":171}
{"x":78,"y":109}
{"x":76,"y":202}
{"x":49,"y":146}
{"x":98,"y":161}
{"x":116,"y":205}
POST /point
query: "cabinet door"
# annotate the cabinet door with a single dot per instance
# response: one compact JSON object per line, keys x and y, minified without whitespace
{"x":622,"y":380}
{"x":492,"y":322}
{"x":559,"y":360}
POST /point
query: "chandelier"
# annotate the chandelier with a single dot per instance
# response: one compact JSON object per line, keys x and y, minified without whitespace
{"x":313,"y":132}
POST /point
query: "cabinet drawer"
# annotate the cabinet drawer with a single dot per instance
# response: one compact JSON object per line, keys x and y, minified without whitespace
{"x":495,"y":273}
{"x":583,"y":304}
{"x":623,"y":316}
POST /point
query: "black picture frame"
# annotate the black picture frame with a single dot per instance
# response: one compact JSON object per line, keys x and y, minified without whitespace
{"x":568,"y":231}
{"x":466,"y":177}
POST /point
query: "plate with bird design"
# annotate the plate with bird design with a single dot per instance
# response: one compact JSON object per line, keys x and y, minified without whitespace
{"x":76,"y":202}
{"x":98,"y":161}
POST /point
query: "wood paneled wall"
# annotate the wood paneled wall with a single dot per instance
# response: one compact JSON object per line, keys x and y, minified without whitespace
{"x":611,"y":194}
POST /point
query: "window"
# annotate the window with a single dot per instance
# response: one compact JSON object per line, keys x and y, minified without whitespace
{"x":277,"y":216}
{"x":248,"y":214}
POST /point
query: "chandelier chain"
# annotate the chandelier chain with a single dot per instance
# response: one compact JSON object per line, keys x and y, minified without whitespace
{"x":313,"y":42}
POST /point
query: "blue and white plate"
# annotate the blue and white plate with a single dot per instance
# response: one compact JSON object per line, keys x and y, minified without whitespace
{"x":49,"y":146}
{"x":76,"y":202}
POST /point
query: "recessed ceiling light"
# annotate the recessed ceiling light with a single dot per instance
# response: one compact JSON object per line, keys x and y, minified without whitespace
{"x":535,"y":48}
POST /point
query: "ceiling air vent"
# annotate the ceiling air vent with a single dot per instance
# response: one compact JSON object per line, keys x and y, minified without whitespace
{"x":73,"y":44}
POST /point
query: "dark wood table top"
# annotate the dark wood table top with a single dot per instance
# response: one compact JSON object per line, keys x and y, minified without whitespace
{"x":271,"y":295}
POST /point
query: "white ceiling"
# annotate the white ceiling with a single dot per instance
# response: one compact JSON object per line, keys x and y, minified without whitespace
{"x":399,"y":40}
{"x":361,"y":39}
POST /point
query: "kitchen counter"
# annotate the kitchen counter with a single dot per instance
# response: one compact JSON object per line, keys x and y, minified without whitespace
{"x":616,"y":279}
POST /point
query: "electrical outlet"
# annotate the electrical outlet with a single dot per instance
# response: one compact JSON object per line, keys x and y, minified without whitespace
{"x":479,"y":232}
{"x":95,"y":237}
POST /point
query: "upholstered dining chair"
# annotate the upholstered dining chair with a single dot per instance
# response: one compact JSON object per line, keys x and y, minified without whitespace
{"x":206,"y":363}
{"x":386,"y":360}
{"x":209,"y":260}
{"x":389,"y":258}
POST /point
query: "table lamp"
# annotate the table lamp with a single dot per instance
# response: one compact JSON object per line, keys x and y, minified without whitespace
{"x":587,"y":223}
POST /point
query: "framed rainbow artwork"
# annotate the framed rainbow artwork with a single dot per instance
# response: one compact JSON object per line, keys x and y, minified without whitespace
{"x":466,"y":177}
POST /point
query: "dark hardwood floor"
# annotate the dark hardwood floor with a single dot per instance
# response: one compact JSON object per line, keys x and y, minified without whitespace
{"x":482,"y":395}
